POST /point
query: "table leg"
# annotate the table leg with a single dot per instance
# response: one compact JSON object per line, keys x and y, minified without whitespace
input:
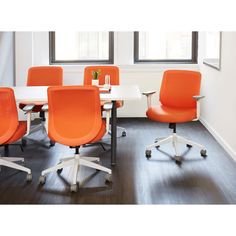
{"x":113,"y":133}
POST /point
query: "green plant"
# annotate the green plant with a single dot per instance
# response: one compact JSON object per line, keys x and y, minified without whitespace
{"x":96,"y":73}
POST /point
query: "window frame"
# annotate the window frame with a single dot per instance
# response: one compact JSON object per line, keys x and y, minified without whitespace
{"x":193,"y":59}
{"x":52,"y":59}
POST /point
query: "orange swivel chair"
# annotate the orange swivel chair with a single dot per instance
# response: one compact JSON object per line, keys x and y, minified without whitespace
{"x":114,"y":73}
{"x":11,"y":130}
{"x":43,"y":76}
{"x":74,"y":119}
{"x":179,"y":102}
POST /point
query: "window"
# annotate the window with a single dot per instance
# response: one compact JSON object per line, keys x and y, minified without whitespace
{"x":172,"y":47}
{"x":81,"y":47}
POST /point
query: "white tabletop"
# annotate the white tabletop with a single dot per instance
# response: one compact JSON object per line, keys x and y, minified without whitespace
{"x":38,"y":94}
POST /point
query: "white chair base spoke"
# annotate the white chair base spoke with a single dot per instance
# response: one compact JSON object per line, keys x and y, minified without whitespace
{"x":74,"y":163}
{"x":10,"y":162}
{"x":176,"y":140}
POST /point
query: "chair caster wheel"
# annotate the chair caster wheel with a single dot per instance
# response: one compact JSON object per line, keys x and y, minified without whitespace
{"x":188,"y":145}
{"x":59,"y":171}
{"x":29,"y":177}
{"x":74,"y":188}
{"x":52,"y":143}
{"x":23,"y":142}
{"x":148,"y":154}
{"x":42,"y":179}
{"x":178,"y":163}
{"x":203,"y":153}
{"x":156,"y":140}
{"x":108,"y":178}
{"x":178,"y":160}
{"x":123,"y":134}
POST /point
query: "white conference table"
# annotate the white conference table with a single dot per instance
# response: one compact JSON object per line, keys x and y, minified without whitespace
{"x":38,"y":95}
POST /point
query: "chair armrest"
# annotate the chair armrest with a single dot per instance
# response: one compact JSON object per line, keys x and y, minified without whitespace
{"x":45,"y":108}
{"x":198,"y":99}
{"x":107,"y":107}
{"x":28,"y":108}
{"x":149,"y":94}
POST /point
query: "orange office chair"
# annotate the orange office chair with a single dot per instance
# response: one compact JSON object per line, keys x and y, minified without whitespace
{"x":11,"y":130}
{"x":114,"y":73}
{"x":43,"y":76}
{"x":74,"y":119}
{"x":179,"y":103}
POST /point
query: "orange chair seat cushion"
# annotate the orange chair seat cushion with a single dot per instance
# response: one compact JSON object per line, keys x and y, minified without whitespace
{"x":171,"y":115}
{"x":19,"y":133}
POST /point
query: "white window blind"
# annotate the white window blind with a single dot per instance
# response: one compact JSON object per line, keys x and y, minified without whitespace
{"x":81,"y":46}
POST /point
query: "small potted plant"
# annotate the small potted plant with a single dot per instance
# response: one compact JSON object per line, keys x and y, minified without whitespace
{"x":95,"y":74}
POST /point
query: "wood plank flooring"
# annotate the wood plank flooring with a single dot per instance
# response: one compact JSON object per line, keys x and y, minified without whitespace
{"x":136,"y":180}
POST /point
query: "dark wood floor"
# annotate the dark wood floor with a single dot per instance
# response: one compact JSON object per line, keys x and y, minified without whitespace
{"x":136,"y":180}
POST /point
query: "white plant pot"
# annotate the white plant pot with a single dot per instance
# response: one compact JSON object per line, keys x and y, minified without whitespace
{"x":95,"y":82}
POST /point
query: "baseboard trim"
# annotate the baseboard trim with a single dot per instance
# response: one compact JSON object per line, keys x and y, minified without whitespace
{"x":219,"y":139}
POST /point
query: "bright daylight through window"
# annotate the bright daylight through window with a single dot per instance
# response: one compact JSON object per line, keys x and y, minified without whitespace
{"x":165,"y":46}
{"x":81,"y":47}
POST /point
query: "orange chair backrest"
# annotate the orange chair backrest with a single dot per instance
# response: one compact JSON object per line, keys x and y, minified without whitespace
{"x":178,"y":88}
{"x":74,"y":114}
{"x":113,"y":71}
{"x":45,"y":76}
{"x":8,"y":114}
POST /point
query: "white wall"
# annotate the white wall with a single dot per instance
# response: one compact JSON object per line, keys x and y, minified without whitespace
{"x":7,"y":66}
{"x":23,"y":56}
{"x":218,"y":111}
{"x":32,"y":48}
